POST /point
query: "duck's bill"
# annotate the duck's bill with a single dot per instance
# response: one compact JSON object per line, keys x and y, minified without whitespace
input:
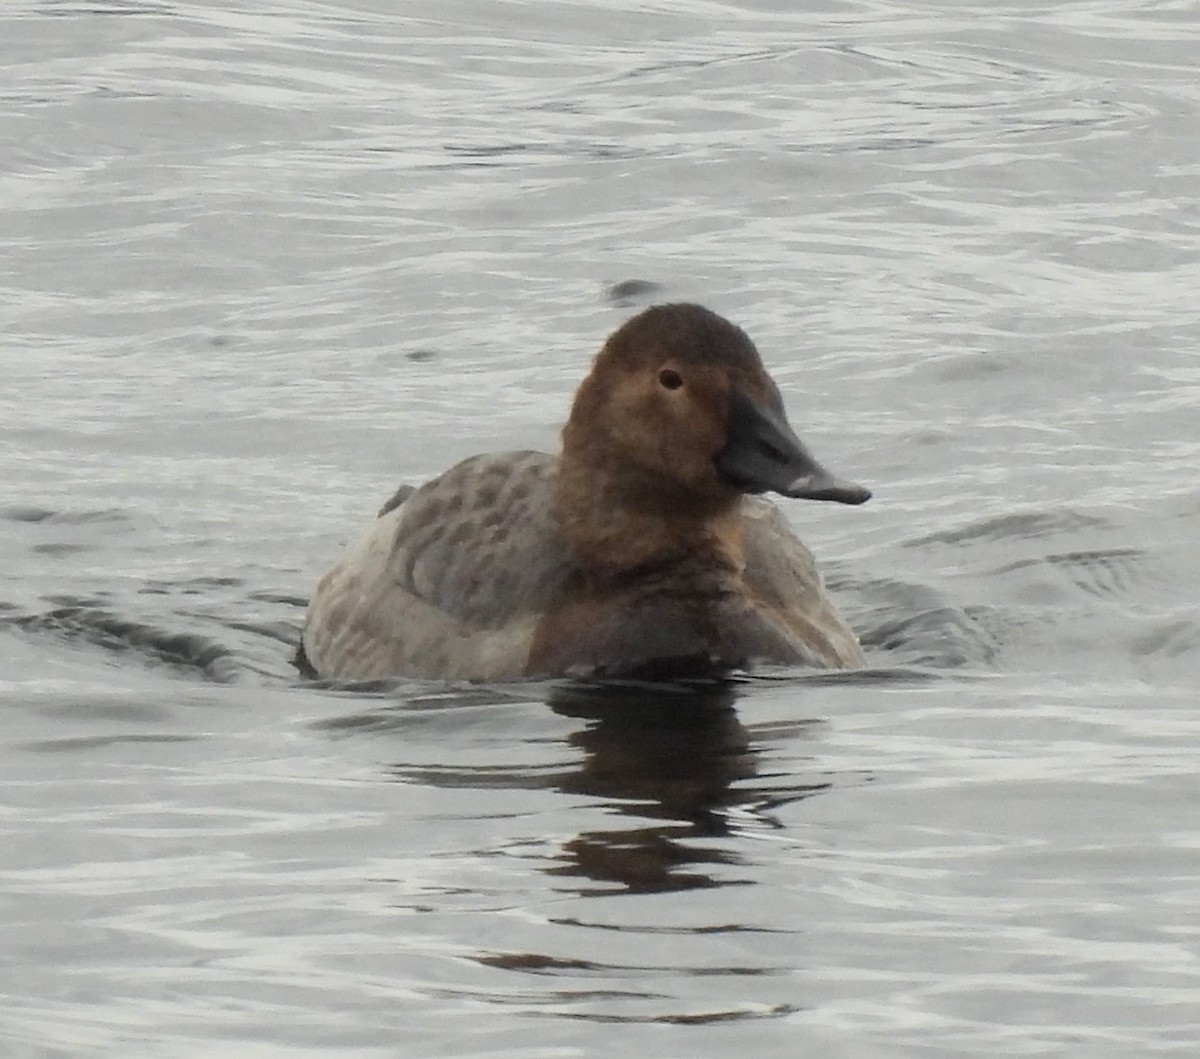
{"x":763,"y":454}
{"x":821,"y":485}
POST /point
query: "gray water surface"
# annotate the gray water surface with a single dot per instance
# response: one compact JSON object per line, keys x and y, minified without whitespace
{"x":262,"y":262}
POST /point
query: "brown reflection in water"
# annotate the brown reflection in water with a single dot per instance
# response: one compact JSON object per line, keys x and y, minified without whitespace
{"x":675,"y":757}
{"x":665,"y":754}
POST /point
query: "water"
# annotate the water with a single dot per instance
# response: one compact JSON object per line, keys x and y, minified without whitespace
{"x":261,"y":263}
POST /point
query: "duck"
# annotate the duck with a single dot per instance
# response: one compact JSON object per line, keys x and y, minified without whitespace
{"x":645,"y":548}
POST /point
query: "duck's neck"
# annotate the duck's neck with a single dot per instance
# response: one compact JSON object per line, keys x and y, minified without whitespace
{"x":618,"y":522}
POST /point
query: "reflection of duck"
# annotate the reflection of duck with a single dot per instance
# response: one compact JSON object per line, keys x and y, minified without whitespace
{"x":661,"y":754}
{"x":670,"y":765}
{"x":670,"y":751}
{"x":637,"y":549}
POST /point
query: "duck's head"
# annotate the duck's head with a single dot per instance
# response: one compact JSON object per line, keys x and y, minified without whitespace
{"x":679,"y":396}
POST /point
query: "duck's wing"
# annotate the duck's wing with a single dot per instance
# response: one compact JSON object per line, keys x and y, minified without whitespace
{"x":448,"y":583}
{"x":782,"y":575}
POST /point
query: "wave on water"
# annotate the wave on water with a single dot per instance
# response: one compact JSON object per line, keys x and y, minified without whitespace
{"x":103,"y":628}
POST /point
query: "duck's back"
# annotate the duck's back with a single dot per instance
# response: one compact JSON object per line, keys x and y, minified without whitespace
{"x":448,"y":584}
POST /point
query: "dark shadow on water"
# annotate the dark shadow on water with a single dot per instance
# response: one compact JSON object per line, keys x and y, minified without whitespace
{"x":672,"y":764}
{"x":631,"y":292}
{"x":669,"y":755}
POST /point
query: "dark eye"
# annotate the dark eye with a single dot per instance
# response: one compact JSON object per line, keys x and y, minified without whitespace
{"x":670,"y":379}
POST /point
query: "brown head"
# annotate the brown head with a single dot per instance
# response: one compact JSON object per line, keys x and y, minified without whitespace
{"x":679,"y":400}
{"x":677,"y":418}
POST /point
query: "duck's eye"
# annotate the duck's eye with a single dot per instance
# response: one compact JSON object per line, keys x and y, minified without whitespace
{"x":670,"y":379}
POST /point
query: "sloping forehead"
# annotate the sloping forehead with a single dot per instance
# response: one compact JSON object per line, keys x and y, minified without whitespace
{"x":690,"y":334}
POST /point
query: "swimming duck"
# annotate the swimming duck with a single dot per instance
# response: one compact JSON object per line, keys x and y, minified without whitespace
{"x":642,"y":549}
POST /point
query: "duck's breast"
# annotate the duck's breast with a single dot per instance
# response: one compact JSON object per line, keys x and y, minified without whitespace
{"x":700,"y":615}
